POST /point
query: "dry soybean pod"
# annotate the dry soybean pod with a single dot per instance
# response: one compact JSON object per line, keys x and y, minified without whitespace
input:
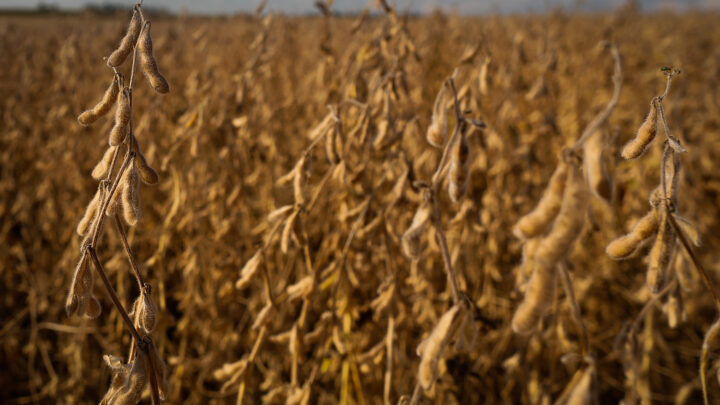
{"x":432,"y":348}
{"x":103,"y":106}
{"x":595,"y":168}
{"x":77,"y":287}
{"x":550,"y":250}
{"x":437,"y":131}
{"x":626,"y":245}
{"x":411,"y":239}
{"x":536,"y":222}
{"x":101,"y":168}
{"x":116,"y":197}
{"x":568,"y":224}
{"x":127,"y":44}
{"x":538,"y":297}
{"x":459,"y":169}
{"x":147,"y":174}
{"x":660,"y":254}
{"x":148,"y":63}
{"x":331,"y":141}
{"x":131,"y":197}
{"x":122,"y":118}
{"x":645,"y":134}
{"x":90,"y":213}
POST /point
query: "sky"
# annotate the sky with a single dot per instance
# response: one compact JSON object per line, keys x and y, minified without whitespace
{"x":462,"y":6}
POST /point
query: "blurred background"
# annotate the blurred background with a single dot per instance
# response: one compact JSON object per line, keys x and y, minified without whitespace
{"x":356,"y":6}
{"x":248,"y":86}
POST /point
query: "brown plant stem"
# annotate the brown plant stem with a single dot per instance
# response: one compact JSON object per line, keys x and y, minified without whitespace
{"x":101,"y":218}
{"x":696,"y":262}
{"x":113,"y":295}
{"x":128,"y":252}
{"x":147,"y":346}
{"x":445,"y":251}
{"x":577,"y":315}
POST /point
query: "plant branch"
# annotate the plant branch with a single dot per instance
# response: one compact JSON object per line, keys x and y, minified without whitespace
{"x":442,"y":242}
{"x":577,"y":316}
{"x":128,"y":252}
{"x":146,"y":346}
{"x":696,"y":262}
{"x":113,"y":295}
{"x":99,"y":222}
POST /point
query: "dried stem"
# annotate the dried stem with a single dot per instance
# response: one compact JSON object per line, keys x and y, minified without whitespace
{"x":101,"y":218}
{"x":674,"y":142}
{"x":147,"y":346}
{"x":696,"y":262}
{"x":442,"y":242}
{"x":459,"y":128}
{"x":113,"y":295}
{"x":128,"y":251}
{"x":577,"y":316}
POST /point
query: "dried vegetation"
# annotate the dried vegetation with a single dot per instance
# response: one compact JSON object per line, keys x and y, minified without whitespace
{"x":338,"y":202}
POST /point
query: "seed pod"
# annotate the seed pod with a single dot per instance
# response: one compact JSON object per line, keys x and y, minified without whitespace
{"x":459,"y":169}
{"x":660,"y":254}
{"x":626,"y":245}
{"x":595,"y":168}
{"x":437,"y":131}
{"x":674,"y":308}
{"x":103,"y":106}
{"x":467,"y":331}
{"x":132,"y":390}
{"x":528,"y":257}
{"x":249,"y":270}
{"x":550,"y":250}
{"x":80,"y":288}
{"x":103,"y":166}
{"x":538,"y":298}
{"x":386,"y":126}
{"x":569,"y":222}
{"x":537,"y":221}
{"x":148,"y":63}
{"x":147,"y":174}
{"x":298,"y":181}
{"x":301,"y":289}
{"x":264,"y":316}
{"x":582,"y":389}
{"x":122,"y":117}
{"x":127,"y":43}
{"x":288,"y":231}
{"x":145,"y":311}
{"x":385,"y":130}
{"x":331,"y":144}
{"x":131,"y":197}
{"x":431,"y":349}
{"x":483,"y":75}
{"x":90,"y":213}
{"x":279,"y":213}
{"x":93,"y":308}
{"x":120,"y":378}
{"x":411,"y":240}
{"x":117,"y":196}
{"x":645,"y":134}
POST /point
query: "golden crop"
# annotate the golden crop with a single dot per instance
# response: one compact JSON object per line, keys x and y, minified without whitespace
{"x":337,"y":201}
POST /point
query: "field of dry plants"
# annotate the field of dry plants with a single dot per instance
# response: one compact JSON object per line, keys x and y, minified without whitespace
{"x":337,"y":218}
